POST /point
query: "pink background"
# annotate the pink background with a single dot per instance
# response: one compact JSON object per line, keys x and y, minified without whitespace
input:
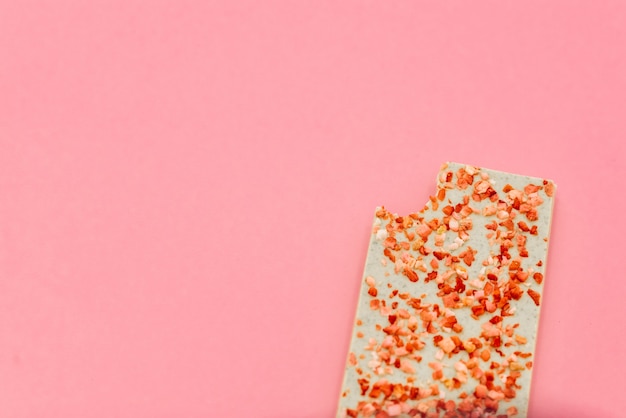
{"x":187,"y":187}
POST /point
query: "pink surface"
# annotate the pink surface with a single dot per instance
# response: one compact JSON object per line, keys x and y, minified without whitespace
{"x":187,"y":189}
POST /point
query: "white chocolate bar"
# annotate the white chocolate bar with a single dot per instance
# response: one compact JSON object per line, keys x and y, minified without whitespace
{"x":447,"y":318}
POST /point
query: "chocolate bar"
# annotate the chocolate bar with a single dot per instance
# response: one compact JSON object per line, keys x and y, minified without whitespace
{"x":447,"y":318}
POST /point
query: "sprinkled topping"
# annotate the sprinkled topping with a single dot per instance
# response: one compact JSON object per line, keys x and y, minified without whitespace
{"x":446,"y":328}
